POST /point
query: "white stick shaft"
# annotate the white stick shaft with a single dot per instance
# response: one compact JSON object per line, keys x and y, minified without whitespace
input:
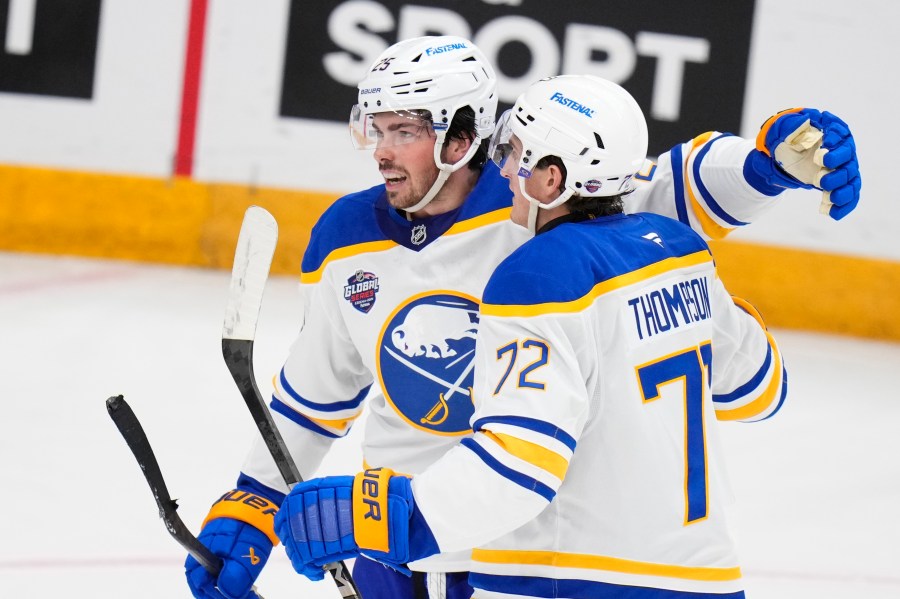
{"x":252,"y":260}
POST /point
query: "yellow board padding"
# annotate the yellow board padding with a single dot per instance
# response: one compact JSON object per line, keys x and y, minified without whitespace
{"x":172,"y":221}
{"x":801,"y":289}
{"x":181,"y":221}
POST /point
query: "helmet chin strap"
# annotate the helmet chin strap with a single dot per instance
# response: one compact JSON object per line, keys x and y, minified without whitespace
{"x":445,"y":171}
{"x":534,"y":205}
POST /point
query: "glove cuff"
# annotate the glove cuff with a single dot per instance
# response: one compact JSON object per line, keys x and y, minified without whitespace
{"x":764,"y":129}
{"x":761,"y":172}
{"x":371,"y":522}
{"x":247,"y":507}
{"x":387,"y":524}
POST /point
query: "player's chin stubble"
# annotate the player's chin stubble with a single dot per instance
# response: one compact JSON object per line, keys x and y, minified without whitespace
{"x":414,"y":190}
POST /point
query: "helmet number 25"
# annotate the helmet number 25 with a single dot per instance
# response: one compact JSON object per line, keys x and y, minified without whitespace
{"x":383,"y":64}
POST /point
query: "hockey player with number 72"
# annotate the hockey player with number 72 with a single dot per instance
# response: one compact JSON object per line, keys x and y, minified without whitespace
{"x":393,"y":277}
{"x":608,"y":347}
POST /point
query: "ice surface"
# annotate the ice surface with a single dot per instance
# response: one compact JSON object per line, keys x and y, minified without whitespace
{"x":817,"y":487}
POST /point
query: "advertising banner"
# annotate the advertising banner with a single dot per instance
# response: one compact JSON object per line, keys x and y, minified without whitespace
{"x":686,"y":66}
{"x":49,"y":47}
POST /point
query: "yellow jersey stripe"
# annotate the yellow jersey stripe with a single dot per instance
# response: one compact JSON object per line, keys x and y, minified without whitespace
{"x":600,"y":562}
{"x":532,"y":453}
{"x":349,"y":251}
{"x":340,"y":424}
{"x":713,"y":229}
{"x":766,"y":399}
{"x":578,"y":305}
{"x":346,"y":252}
{"x":749,"y":309}
{"x":489,"y":218}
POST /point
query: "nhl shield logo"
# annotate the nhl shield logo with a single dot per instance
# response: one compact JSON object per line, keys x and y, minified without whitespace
{"x":418,"y":234}
{"x":360,"y":290}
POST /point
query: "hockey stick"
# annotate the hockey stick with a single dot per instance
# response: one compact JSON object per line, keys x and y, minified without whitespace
{"x":133,"y":433}
{"x":252,"y":260}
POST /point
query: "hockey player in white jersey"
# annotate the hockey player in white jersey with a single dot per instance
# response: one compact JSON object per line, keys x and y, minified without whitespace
{"x":607,"y":348}
{"x":392,"y":282}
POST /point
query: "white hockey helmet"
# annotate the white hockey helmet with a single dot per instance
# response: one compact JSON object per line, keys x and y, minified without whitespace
{"x":438,"y":74}
{"x":593,"y":125}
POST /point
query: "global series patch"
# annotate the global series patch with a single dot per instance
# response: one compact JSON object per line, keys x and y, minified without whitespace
{"x":360,"y":290}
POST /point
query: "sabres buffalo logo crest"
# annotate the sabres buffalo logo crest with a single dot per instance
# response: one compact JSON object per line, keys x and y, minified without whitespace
{"x":426,"y":357}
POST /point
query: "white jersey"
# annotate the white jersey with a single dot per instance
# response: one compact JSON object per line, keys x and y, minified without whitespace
{"x":391,"y":310}
{"x":607,"y":349}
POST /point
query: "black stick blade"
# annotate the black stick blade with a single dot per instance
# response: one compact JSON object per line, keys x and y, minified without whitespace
{"x":133,"y":433}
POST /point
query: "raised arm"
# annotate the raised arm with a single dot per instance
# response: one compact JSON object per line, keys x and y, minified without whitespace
{"x":718,"y":182}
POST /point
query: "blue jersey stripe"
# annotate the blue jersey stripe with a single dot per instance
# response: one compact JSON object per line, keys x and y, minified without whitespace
{"x":520,"y":479}
{"x":534,"y":586}
{"x":532,"y":424}
{"x":704,"y":192}
{"x":784,"y":388}
{"x":329,"y":407}
{"x":678,"y":183}
{"x":750,"y":385}
{"x":299,"y":419}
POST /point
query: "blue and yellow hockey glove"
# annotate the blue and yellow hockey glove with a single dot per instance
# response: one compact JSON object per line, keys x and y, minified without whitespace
{"x":338,"y":517}
{"x":239,"y":529}
{"x":803,"y":147}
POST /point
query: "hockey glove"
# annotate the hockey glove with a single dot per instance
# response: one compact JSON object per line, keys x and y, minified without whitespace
{"x":239,"y":530}
{"x":338,"y":517}
{"x":802,"y":147}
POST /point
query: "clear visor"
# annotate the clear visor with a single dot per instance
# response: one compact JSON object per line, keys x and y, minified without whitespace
{"x":501,"y":149}
{"x":369,"y":131}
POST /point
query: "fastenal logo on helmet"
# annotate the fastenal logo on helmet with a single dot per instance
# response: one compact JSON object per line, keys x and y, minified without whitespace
{"x":561,"y":99}
{"x":447,"y":48}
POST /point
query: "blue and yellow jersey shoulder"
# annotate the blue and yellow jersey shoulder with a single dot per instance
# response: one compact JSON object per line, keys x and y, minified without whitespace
{"x":349,"y":221}
{"x":574,"y":263}
{"x":365,"y":222}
